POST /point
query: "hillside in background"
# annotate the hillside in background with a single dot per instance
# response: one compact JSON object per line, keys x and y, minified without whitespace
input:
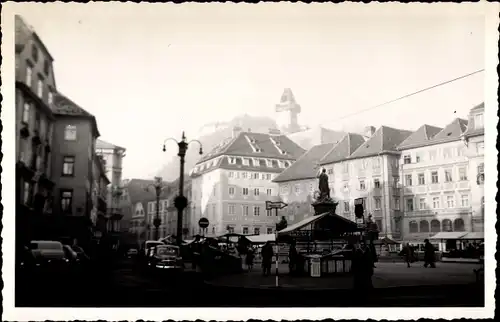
{"x":258,"y":124}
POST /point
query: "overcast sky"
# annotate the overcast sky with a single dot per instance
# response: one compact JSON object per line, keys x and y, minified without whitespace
{"x":147,"y":72}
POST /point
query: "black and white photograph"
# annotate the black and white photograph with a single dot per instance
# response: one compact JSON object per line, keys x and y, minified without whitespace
{"x":219,"y":161}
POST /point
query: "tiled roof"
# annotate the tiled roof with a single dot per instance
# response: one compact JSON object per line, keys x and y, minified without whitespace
{"x":385,"y":139}
{"x":100,"y":144}
{"x":258,"y":145}
{"x":478,"y":107}
{"x":452,"y":131}
{"x":471,"y":126}
{"x":137,"y":192}
{"x":342,"y":150}
{"x":424,"y":134}
{"x":64,"y":106}
{"x":306,"y":166}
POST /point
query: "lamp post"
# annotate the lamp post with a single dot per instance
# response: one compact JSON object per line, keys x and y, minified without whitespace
{"x":158,"y":187}
{"x":180,"y":201}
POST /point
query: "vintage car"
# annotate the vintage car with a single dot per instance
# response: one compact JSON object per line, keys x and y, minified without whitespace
{"x":166,"y":257}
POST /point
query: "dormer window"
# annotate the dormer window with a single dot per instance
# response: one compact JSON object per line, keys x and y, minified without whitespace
{"x":232,"y":160}
{"x":214,"y":162}
{"x":478,"y":121}
{"x":269,"y":163}
{"x":256,"y":162}
{"x":245,"y":161}
{"x":281,"y":164}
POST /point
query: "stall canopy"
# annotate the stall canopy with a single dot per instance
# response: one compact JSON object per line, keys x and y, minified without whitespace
{"x":232,"y":237}
{"x":261,"y":239}
{"x":449,"y":235}
{"x":320,"y":227}
{"x":473,"y":236}
{"x":386,"y":241}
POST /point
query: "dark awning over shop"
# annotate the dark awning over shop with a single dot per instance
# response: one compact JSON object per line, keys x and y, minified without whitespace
{"x":449,"y":235}
{"x":321,"y":227}
{"x":473,"y":236}
{"x":386,"y":241}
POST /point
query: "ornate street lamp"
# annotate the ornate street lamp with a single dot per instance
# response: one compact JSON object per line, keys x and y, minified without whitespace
{"x":158,"y":186}
{"x":180,"y":201}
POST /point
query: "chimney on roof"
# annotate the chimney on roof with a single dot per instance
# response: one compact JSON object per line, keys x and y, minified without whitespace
{"x":236,"y":131}
{"x":368,"y":131}
{"x":274,"y":132}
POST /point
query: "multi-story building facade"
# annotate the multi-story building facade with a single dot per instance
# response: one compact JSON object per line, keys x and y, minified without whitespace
{"x":140,"y":201}
{"x":112,"y":156}
{"x":75,"y":134}
{"x":368,"y":167}
{"x":436,"y":187}
{"x":299,"y":182}
{"x":99,"y":194}
{"x":171,"y":215}
{"x":231,"y":183}
{"x":473,"y":139}
{"x":35,"y":85}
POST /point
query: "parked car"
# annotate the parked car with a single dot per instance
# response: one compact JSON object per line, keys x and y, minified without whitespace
{"x":166,"y":258}
{"x":49,"y":256}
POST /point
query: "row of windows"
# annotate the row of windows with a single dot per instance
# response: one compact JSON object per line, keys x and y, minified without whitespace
{"x":250,"y":175}
{"x":40,"y":84}
{"x":361,"y":164}
{"x":255,"y":162}
{"x":41,"y":125}
{"x":448,"y":176}
{"x":245,"y":230}
{"x":35,"y":55}
{"x":436,"y":226}
{"x":436,"y":202}
{"x":152,"y":206}
{"x":246,"y":191}
{"x":445,"y":153}
{"x":256,"y":210}
{"x":377,"y":202}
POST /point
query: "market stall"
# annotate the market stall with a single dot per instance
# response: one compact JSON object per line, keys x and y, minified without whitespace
{"x":307,"y":233}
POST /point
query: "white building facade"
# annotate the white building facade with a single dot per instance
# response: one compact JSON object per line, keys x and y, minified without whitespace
{"x":439,"y":184}
{"x":231,"y":184}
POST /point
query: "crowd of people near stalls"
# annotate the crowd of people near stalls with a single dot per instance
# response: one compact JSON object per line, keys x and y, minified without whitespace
{"x":466,"y":249}
{"x":409,"y":253}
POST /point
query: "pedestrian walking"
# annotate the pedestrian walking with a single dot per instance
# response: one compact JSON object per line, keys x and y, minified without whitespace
{"x":292,"y":258}
{"x":249,"y":258}
{"x":267,"y":257}
{"x":408,"y":254}
{"x":429,"y":255}
{"x":362,"y":267}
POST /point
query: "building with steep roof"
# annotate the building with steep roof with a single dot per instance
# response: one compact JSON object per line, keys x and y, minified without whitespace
{"x":34,"y":88}
{"x":112,"y":156}
{"x":79,"y":185}
{"x":473,"y":139}
{"x":139,"y":203}
{"x":231,"y":183}
{"x":436,"y":185}
{"x":298,"y":183}
{"x":367,"y":167}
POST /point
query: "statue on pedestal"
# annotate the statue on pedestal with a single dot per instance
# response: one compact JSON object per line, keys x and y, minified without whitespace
{"x":323,"y":202}
{"x":324,"y":189}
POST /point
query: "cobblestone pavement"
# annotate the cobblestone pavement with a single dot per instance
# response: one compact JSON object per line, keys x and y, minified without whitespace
{"x":385,"y":275}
